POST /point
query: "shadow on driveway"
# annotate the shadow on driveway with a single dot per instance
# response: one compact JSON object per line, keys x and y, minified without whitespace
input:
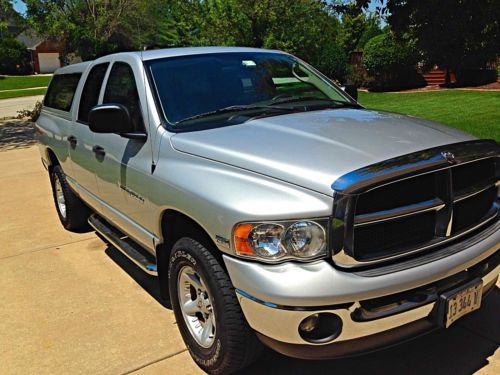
{"x":462,"y":349}
{"x":16,"y":134}
{"x":147,"y":282}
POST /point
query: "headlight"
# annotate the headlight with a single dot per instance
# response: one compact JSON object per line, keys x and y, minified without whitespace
{"x":265,"y":240}
{"x":301,"y":240}
{"x":305,"y":239}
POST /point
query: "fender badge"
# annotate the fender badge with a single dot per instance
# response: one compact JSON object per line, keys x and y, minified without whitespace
{"x":449,"y":157}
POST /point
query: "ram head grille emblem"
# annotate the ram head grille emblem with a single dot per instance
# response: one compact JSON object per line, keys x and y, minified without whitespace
{"x":449,"y":157}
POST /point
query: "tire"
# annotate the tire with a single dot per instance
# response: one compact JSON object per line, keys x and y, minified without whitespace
{"x":232,"y":344}
{"x":72,"y":212}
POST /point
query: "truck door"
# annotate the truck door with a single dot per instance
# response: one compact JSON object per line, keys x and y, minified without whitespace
{"x":124,"y":167}
{"x":82,"y":139}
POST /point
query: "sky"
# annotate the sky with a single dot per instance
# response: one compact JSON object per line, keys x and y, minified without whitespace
{"x":19,"y":6}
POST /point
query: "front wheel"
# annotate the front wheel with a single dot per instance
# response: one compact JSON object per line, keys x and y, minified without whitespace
{"x":207,"y":311}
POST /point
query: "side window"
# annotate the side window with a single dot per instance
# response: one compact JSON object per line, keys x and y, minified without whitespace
{"x":121,"y":89}
{"x":91,"y":90}
{"x":61,"y":91}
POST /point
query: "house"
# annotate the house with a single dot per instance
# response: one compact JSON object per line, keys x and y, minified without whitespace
{"x":45,"y":54}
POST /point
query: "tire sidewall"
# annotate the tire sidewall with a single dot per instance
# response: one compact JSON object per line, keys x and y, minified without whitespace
{"x":183,"y":255}
{"x":57,"y":173}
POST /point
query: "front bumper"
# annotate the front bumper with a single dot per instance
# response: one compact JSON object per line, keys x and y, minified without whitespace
{"x":276,"y":298}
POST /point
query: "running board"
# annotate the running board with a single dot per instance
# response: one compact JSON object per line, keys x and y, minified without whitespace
{"x":126,"y":245}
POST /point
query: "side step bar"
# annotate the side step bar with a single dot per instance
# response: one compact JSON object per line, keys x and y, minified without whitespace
{"x":126,"y":245}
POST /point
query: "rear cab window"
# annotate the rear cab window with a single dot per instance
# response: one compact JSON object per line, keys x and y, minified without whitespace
{"x":61,"y":91}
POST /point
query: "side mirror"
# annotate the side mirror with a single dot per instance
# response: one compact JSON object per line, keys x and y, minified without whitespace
{"x":352,"y":90}
{"x":113,"y":118}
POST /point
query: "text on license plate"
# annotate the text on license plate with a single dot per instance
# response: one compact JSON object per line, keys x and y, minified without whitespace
{"x":463,"y":302}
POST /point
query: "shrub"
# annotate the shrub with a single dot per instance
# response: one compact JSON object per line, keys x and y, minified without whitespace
{"x":391,"y":63}
{"x":30,"y":114}
{"x":332,"y":61}
{"x":359,"y":76}
{"x":14,"y":57}
{"x":476,"y":77}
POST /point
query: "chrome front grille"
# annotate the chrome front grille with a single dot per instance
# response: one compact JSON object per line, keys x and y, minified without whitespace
{"x":414,"y":203}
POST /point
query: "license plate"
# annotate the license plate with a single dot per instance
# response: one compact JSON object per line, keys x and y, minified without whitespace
{"x":462,"y":301}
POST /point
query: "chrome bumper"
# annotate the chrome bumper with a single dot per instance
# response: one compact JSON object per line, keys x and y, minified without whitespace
{"x":282,"y":324}
{"x":276,"y":298}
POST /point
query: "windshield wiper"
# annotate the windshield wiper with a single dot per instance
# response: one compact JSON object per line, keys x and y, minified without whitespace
{"x":294,"y":99}
{"x":234,"y":108}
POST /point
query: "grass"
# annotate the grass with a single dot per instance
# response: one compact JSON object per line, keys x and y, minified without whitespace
{"x":19,"y":93}
{"x":23,"y":82}
{"x":475,"y":112}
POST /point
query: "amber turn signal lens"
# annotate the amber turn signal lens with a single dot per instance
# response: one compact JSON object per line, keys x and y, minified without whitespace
{"x":241,"y":233}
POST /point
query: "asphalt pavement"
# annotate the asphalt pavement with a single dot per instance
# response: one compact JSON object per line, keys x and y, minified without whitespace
{"x":70,"y":304}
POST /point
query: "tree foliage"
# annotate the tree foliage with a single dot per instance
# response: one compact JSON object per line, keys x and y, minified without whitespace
{"x":372,"y":29}
{"x":8,"y":16}
{"x":92,"y":28}
{"x":306,"y":28}
{"x":391,"y":61}
{"x":450,"y":33}
{"x":14,"y":57}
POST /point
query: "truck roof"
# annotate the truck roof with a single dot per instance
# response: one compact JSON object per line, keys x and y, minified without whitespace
{"x":73,"y":68}
{"x":166,"y":52}
{"x":171,"y":52}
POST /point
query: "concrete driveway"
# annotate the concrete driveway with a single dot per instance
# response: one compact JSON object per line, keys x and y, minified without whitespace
{"x":70,"y":304}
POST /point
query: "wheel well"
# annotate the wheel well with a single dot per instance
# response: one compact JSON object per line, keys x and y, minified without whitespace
{"x":174,"y":226}
{"x":52,"y":158}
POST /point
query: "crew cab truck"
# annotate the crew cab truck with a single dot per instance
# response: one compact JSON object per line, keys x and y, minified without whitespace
{"x":273,"y":208}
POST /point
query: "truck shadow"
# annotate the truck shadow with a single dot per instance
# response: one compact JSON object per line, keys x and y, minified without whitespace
{"x":147,"y":282}
{"x":16,"y":134}
{"x":462,"y":349}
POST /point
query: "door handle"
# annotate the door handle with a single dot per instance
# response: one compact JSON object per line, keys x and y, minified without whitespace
{"x":72,"y":141}
{"x":98,"y":150}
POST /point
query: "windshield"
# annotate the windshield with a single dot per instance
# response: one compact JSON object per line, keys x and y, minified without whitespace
{"x":234,"y":87}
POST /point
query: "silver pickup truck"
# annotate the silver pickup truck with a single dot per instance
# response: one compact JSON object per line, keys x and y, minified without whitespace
{"x":271,"y":206}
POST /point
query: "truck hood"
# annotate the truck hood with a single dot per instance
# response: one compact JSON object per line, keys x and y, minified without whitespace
{"x":313,"y":149}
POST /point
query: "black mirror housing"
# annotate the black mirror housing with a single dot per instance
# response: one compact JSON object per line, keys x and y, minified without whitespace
{"x":351,"y":90}
{"x":110,"y":118}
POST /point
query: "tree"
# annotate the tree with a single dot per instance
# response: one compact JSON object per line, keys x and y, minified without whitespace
{"x":8,"y":17}
{"x":178,"y":24}
{"x":306,"y":28}
{"x":5,"y":13}
{"x":91,"y":28}
{"x":453,"y":34}
{"x":14,"y":57}
{"x":372,"y":29}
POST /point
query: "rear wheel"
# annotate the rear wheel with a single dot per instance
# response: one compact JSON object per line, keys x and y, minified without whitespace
{"x":207,"y":311}
{"x":72,"y":212}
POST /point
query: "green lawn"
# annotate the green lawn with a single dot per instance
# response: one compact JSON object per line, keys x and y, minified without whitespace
{"x":23,"y":82}
{"x":19,"y":93}
{"x":476,"y":112}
